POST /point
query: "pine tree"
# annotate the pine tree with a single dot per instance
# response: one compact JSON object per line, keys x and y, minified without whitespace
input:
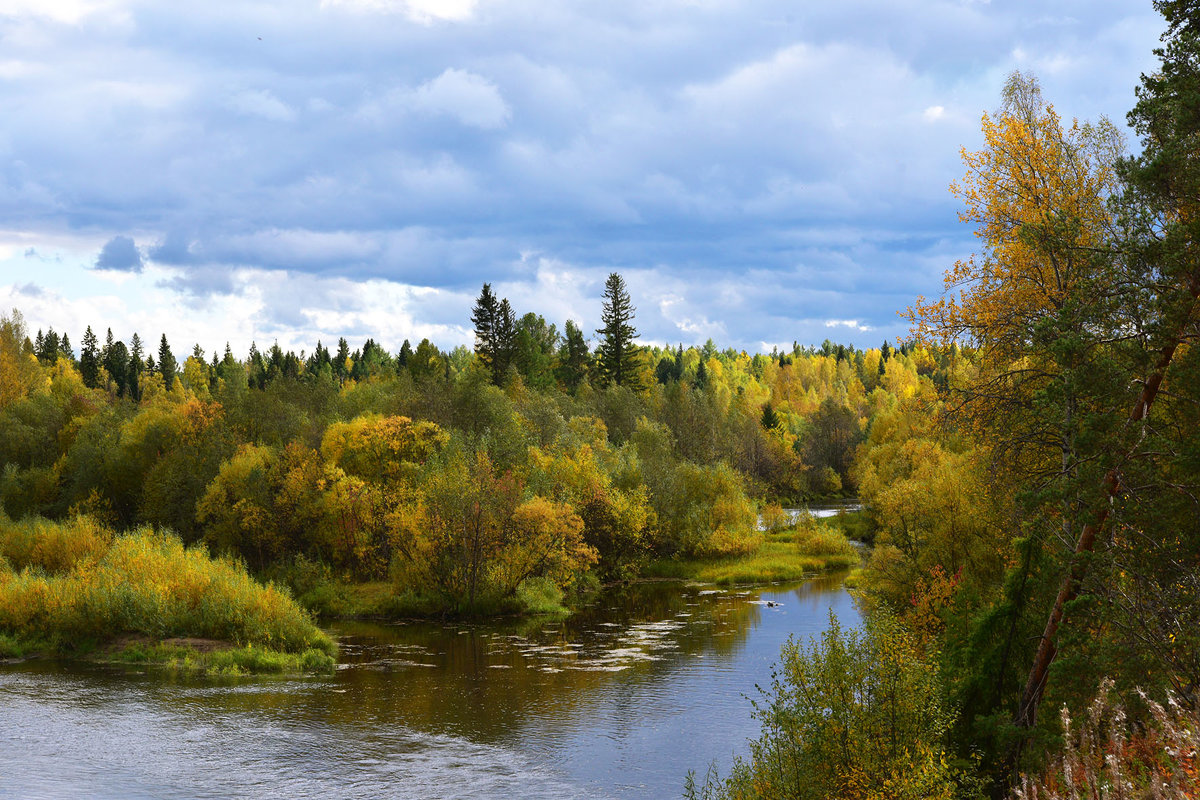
{"x":618,"y":353}
{"x":64,"y":348}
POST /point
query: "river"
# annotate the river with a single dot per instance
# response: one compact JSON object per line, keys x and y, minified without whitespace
{"x":619,"y":701}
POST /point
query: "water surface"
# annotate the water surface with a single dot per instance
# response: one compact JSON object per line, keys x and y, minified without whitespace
{"x":619,"y":701}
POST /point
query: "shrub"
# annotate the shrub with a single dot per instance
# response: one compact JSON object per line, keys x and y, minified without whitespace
{"x":856,"y":715}
{"x":145,"y":582}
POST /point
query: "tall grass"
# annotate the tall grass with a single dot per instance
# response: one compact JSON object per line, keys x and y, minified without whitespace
{"x":72,"y":581}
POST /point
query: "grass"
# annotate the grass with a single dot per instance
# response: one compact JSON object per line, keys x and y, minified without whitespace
{"x":246,"y":660}
{"x":789,"y":554}
{"x":69,"y":585}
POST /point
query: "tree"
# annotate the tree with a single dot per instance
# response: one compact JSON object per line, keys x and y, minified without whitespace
{"x":573,"y":357}
{"x":18,"y":369}
{"x":618,"y":353}
{"x":166,"y":363}
{"x":495,"y":333}
{"x":116,"y":361}
{"x":47,"y":349}
{"x":534,"y":350}
{"x":89,"y":359}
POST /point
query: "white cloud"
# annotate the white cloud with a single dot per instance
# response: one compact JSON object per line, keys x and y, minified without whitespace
{"x":68,"y":11}
{"x":471,"y":98}
{"x":853,"y":324}
{"x":261,"y":103}
{"x":934,"y":113}
{"x":423,"y":11}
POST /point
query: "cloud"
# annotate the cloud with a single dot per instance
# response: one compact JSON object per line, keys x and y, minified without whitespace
{"x":470,"y":98}
{"x":68,"y":11}
{"x":263,"y":104}
{"x":423,"y":11}
{"x":753,"y":169}
{"x":120,"y":254}
{"x":848,"y":323}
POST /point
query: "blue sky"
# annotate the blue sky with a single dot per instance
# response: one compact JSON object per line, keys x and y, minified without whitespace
{"x":759,"y":171}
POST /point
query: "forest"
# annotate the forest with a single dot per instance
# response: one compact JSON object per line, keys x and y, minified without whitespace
{"x":525,"y":470}
{"x":1029,"y":462}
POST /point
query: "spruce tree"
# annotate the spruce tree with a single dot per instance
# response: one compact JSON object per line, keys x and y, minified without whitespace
{"x":117,"y":364}
{"x":166,"y":363}
{"x":618,"y":353}
{"x":339,"y":361}
{"x":573,"y":357}
{"x":133,"y":376}
{"x":89,"y":359}
{"x":505,"y":333}
{"x":48,"y":353}
{"x":483,"y":317}
{"x":495,"y":333}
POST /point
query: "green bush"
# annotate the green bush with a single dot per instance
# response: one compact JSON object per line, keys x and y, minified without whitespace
{"x":854,"y":715}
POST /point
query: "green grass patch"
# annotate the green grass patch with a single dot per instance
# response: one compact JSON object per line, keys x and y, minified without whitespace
{"x":789,"y":555}
{"x":73,"y":582}
{"x":16,"y":647}
{"x":221,"y":660}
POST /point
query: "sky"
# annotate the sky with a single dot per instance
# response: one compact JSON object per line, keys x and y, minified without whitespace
{"x":760,"y":172}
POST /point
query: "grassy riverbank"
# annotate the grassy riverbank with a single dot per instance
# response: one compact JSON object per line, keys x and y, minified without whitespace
{"x":786,"y":554}
{"x":73,"y":588}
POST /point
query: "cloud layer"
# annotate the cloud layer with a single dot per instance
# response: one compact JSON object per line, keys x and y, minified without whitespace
{"x":759,"y":170}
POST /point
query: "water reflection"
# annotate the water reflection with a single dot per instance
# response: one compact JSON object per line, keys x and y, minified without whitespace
{"x":618,"y":701}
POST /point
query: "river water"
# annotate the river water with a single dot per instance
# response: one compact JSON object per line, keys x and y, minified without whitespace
{"x":619,"y":701}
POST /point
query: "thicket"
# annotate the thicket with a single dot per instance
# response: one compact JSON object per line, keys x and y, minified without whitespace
{"x":76,"y":583}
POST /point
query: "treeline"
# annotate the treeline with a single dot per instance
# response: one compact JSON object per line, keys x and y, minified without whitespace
{"x":532,"y":463}
{"x":1033,"y":596}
